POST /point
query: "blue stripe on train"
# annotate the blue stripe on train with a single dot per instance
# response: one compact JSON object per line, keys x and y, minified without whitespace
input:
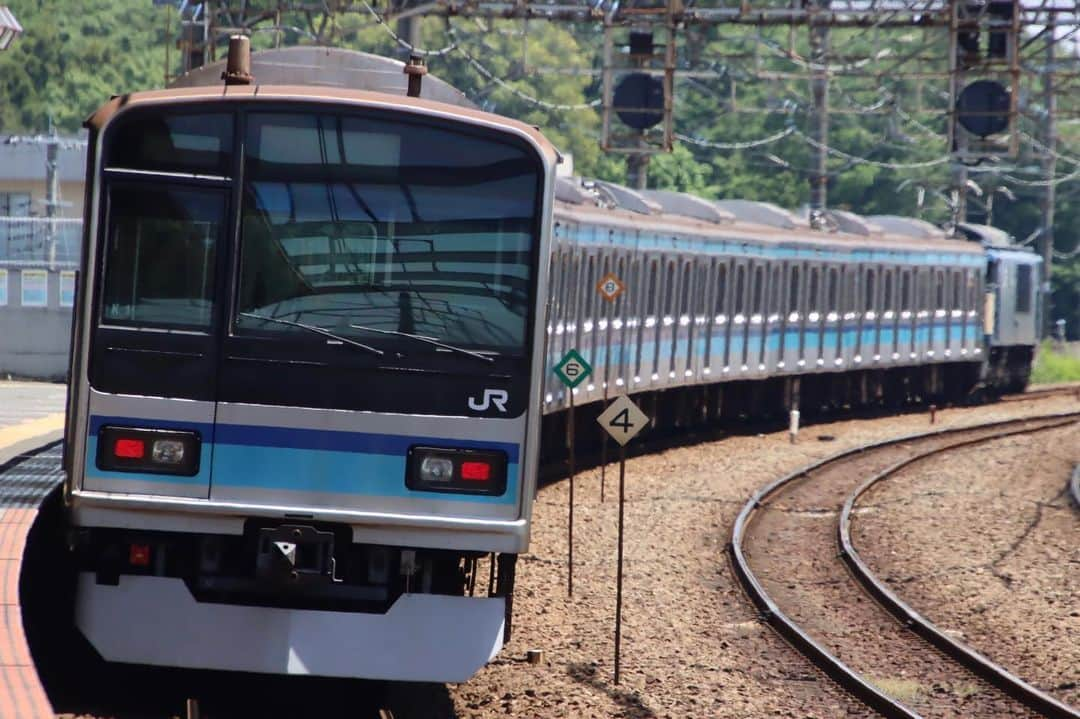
{"x":813,"y":340}
{"x":313,"y":439}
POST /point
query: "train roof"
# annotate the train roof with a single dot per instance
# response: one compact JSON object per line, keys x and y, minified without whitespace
{"x":667,"y":213}
{"x":328,"y":67}
{"x":209,"y":89}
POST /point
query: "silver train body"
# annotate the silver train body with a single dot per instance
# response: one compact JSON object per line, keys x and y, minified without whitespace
{"x":303,"y":425}
{"x":746,"y":296}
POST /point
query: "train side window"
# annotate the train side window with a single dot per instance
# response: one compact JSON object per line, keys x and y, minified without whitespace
{"x":793,"y":290}
{"x":813,"y":301}
{"x":684,"y":305}
{"x":160,"y":256}
{"x":573,"y":283}
{"x":740,"y":289}
{"x":590,"y":280}
{"x":702,"y":292}
{"x":972,"y":289}
{"x":905,"y":290}
{"x":887,"y":300}
{"x":620,"y":272}
{"x":721,"y":288}
{"x":957,"y":285}
{"x":152,"y":140}
{"x":654,"y":275}
{"x":758,"y":289}
{"x":939,"y":286}
{"x":1023,"y":288}
{"x":669,"y":289}
{"x":851,"y":289}
{"x":871,"y":299}
{"x":776,"y":288}
{"x":833,"y":289}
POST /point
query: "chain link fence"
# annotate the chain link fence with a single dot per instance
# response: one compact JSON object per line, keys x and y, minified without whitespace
{"x":40,"y":240}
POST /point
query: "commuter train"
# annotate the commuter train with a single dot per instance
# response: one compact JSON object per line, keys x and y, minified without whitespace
{"x":313,"y":348}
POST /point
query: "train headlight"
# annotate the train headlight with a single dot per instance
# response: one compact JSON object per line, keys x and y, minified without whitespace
{"x":167,"y":451}
{"x":456,"y":471}
{"x":436,"y":470}
{"x":154,"y":451}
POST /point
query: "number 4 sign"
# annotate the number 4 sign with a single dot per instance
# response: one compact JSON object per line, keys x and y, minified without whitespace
{"x":623,"y":420}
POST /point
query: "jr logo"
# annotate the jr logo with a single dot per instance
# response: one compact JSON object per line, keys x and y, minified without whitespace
{"x":497,"y":397}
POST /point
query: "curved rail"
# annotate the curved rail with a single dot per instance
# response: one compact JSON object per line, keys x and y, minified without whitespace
{"x":821,"y":657}
{"x":1074,"y":486}
{"x":989,"y":670}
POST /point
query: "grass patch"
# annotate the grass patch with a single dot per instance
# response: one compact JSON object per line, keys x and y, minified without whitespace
{"x":1051,"y":366}
{"x":903,"y":690}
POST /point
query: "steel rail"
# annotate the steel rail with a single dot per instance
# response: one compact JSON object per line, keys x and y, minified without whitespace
{"x":821,"y":657}
{"x":1042,"y":393}
{"x":1074,"y":486}
{"x":989,"y":670}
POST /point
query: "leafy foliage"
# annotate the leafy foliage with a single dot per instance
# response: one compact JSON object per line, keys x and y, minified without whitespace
{"x":74,"y":56}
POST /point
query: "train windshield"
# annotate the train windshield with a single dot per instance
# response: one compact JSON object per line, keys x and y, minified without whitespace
{"x":372,"y":229}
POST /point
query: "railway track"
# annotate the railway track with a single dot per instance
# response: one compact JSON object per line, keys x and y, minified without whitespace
{"x":1058,"y":390}
{"x":792,"y":551}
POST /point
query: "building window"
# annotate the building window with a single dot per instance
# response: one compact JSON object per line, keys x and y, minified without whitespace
{"x":14,"y":204}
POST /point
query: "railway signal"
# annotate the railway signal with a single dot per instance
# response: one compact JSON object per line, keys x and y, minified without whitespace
{"x":623,"y":420}
{"x":572,"y":370}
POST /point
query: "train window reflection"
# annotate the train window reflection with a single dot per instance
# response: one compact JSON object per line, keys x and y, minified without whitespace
{"x":400,"y":227}
{"x":160,"y":256}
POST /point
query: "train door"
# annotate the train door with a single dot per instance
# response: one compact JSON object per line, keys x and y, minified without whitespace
{"x":833,"y":336}
{"x":556,"y":282}
{"x":770,"y":316}
{"x":814,"y":319}
{"x":718,"y":345}
{"x":617,"y":319}
{"x":699,"y":325}
{"x":924,"y":315}
{"x":681,"y":355}
{"x":887,"y":323}
{"x":905,"y":326}
{"x":939,"y":332}
{"x":739,"y":318}
{"x":155,"y":339}
{"x":851,"y":286}
{"x":868,"y":321}
{"x":665,"y":320}
{"x":646,"y":327}
{"x":791,"y":337}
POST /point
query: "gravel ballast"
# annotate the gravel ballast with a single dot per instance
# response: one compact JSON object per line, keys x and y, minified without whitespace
{"x":692,"y":644}
{"x":984,"y":543}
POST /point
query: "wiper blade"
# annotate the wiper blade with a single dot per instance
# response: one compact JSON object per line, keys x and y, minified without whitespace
{"x":313,"y":328}
{"x":421,"y":338}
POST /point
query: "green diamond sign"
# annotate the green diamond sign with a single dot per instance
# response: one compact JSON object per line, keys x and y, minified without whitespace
{"x":573,"y":369}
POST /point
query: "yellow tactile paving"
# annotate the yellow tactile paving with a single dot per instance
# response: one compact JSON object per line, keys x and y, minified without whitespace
{"x":28,"y":430}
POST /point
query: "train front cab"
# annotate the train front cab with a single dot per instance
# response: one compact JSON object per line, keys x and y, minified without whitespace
{"x":300,"y":440}
{"x":1012,"y":316}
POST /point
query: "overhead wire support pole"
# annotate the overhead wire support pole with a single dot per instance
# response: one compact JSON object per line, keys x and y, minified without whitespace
{"x":819,"y":128}
{"x":1049,"y":170}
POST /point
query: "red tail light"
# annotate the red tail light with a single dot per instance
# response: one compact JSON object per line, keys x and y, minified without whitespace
{"x":139,"y":555}
{"x":476,"y":471}
{"x":130,"y":448}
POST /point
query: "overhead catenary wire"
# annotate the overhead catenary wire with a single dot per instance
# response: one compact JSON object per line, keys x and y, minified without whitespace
{"x":381,"y":22}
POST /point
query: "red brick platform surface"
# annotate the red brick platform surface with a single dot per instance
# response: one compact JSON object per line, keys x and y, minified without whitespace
{"x":24,"y":483}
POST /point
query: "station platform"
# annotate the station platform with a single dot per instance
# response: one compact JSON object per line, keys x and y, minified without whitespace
{"x":31,"y":423}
